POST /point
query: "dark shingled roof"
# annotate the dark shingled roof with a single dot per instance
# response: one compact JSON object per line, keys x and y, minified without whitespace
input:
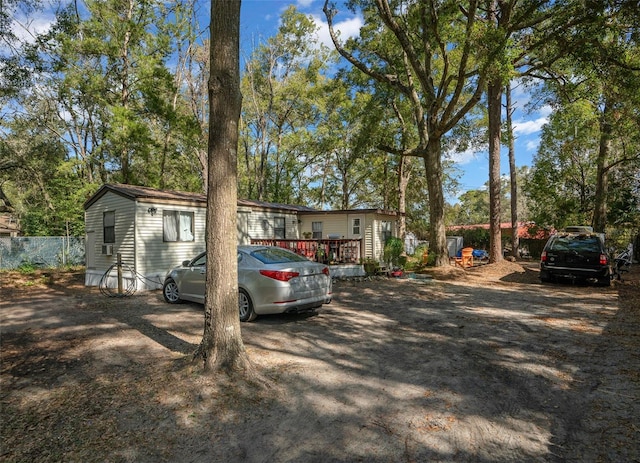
{"x":142,"y":192}
{"x":266,"y":205}
{"x":134,"y":192}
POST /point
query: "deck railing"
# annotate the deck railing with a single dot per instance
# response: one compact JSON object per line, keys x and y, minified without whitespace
{"x":328,"y":251}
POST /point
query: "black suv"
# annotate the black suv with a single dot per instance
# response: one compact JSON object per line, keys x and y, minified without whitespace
{"x":576,"y":256}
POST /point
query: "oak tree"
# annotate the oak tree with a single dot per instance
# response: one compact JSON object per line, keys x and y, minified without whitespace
{"x":424,"y":51}
{"x":221,"y":347}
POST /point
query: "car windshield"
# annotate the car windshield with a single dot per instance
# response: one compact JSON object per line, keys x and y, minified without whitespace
{"x":579,"y":243}
{"x":276,"y":256}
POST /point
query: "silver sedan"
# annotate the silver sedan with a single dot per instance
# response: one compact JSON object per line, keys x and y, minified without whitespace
{"x":270,"y":280}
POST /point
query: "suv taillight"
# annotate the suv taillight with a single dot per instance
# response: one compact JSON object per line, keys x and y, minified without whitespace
{"x":603,"y":259}
{"x":543,"y":257}
{"x":326,"y":271}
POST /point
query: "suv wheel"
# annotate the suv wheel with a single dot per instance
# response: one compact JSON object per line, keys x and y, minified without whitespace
{"x":545,"y":277}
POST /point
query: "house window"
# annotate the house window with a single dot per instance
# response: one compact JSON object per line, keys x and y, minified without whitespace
{"x":355,"y":227}
{"x":316,"y":229}
{"x":109,"y":226}
{"x":279,"y":228}
{"x":386,"y":231}
{"x":177,"y":226}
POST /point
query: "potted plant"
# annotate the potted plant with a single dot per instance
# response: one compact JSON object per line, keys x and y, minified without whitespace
{"x":370,"y":266}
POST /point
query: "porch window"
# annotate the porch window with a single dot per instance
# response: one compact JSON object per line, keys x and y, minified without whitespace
{"x":109,"y":226}
{"x":316,"y":229}
{"x":279,"y":228}
{"x":355,"y":226}
{"x":386,"y":231}
{"x":177,"y":226}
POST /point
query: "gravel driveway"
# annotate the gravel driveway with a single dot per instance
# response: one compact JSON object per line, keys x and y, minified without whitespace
{"x":486,"y":365}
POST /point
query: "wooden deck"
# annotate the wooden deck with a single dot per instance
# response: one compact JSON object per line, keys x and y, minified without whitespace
{"x":328,"y":251}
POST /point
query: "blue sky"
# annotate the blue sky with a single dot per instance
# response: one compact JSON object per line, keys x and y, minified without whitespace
{"x":259,"y":20}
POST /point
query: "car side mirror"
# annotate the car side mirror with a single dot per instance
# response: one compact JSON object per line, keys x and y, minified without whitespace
{"x":185,"y":263}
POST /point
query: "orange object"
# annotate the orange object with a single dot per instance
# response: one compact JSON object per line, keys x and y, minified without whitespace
{"x":467,"y":258}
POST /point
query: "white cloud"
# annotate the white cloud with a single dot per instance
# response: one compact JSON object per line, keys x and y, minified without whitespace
{"x":346,"y":29}
{"x":464,"y":157}
{"x":532,"y":145}
{"x":527,"y":127}
{"x":545,"y":111}
{"x":304,"y":3}
{"x":26,"y":29}
{"x":520,"y":94}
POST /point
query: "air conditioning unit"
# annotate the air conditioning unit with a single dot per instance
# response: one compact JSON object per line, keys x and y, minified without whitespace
{"x":107,"y":249}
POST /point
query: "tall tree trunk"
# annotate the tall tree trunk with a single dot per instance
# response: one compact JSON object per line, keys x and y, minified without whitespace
{"x":437,"y":233}
{"x":203,"y":158}
{"x":404,"y":174}
{"x":385,"y":192}
{"x":124,"y":97}
{"x":222,"y":347}
{"x":513,"y":176}
{"x":494,"y":97}
{"x":345,"y":190}
{"x":323,"y":189}
{"x":602,"y":173}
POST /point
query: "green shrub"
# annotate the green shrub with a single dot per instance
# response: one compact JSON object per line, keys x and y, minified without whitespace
{"x":26,"y":268}
{"x":393,"y":249}
{"x":477,"y":238}
{"x":419,"y":251}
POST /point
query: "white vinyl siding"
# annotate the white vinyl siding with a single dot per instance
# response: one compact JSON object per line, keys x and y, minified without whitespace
{"x":331,"y":225}
{"x":157,"y":256}
{"x":243,"y":225}
{"x":371,"y":248}
{"x":261,"y":224}
{"x":124,"y":229}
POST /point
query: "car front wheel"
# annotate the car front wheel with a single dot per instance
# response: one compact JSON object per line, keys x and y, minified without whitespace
{"x":245,"y":307}
{"x":170,"y":292}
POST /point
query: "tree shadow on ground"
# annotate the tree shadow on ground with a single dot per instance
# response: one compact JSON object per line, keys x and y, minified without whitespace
{"x":390,"y":371}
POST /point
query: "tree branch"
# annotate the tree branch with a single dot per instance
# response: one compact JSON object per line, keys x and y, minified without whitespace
{"x":390,"y":79}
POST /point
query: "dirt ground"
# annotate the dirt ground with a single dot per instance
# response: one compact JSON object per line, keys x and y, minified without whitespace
{"x":483,"y":365}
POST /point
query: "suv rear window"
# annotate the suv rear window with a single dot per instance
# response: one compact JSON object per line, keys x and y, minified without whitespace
{"x":577,"y":243}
